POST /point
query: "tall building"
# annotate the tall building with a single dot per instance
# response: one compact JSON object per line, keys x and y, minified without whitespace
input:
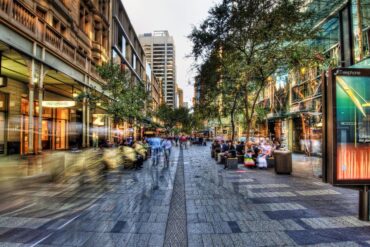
{"x":180,"y":96}
{"x":159,"y":48}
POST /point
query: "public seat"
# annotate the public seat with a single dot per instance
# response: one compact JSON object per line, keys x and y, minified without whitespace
{"x":232,"y":163}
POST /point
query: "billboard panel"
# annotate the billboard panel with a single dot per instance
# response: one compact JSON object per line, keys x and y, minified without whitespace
{"x":352,"y":129}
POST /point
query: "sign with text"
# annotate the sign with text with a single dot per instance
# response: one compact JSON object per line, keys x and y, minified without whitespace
{"x":58,"y":104}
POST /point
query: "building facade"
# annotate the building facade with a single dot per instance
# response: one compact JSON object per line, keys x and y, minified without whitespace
{"x":159,"y":48}
{"x":180,"y":97}
{"x":48,"y":52}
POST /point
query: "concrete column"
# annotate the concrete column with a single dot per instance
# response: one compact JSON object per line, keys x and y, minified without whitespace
{"x":31,"y":97}
{"x":84,"y":118}
{"x":87,"y":123}
{"x":41,"y":98}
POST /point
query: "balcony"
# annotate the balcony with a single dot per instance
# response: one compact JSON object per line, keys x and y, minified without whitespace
{"x":24,"y":16}
{"x":25,"y":20}
{"x":4,"y":5}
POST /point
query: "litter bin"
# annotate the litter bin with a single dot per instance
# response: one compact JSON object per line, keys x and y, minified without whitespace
{"x":283,"y":162}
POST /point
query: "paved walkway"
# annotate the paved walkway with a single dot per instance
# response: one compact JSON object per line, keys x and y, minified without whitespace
{"x":194,"y":202}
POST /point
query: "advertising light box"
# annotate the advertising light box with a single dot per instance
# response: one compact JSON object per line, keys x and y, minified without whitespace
{"x":352,"y":129}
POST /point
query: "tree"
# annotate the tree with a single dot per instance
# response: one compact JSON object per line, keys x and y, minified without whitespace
{"x":171,"y":118}
{"x":253,"y":39}
{"x":127,"y":99}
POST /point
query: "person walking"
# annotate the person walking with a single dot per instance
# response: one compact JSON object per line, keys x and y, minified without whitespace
{"x":167,"y":146}
{"x":183,"y":141}
{"x":155,"y":146}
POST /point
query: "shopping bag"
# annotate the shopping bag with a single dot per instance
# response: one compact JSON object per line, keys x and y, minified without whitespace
{"x":248,"y":162}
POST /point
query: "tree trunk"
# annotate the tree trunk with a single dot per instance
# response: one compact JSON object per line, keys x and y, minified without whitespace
{"x":249,"y":117}
{"x":232,"y":127}
{"x":232,"y":115}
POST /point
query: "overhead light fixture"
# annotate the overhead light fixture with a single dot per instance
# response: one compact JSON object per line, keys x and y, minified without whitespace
{"x":74,"y":93}
{"x":3,"y":81}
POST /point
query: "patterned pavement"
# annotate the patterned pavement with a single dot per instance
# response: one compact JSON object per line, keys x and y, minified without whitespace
{"x":194,"y":202}
{"x":258,"y":208}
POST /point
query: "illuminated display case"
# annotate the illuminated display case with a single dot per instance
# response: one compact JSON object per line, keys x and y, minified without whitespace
{"x":348,"y":127}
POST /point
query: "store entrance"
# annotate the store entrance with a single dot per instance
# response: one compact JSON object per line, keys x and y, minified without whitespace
{"x":55,"y":129}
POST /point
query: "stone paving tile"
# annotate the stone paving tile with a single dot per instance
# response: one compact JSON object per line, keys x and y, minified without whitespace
{"x":317,"y":192}
{"x":335,"y":222}
{"x":223,"y":208}
{"x":269,"y":210}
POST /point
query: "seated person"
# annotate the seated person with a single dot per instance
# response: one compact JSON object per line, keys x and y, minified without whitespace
{"x":224,"y":148}
{"x":240,"y":148}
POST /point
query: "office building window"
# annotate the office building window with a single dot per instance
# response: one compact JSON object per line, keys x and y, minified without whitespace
{"x":115,"y":57}
{"x":134,"y":61}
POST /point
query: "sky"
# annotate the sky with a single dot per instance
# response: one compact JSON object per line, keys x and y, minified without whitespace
{"x":178,"y":17}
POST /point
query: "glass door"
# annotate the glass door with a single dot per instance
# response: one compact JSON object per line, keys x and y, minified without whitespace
{"x":60,"y":134}
{"x":46,"y":136}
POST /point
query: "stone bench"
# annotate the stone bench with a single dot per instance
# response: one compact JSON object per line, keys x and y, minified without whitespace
{"x":232,"y":163}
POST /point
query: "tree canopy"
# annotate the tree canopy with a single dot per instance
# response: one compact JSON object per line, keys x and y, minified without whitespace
{"x":241,"y":45}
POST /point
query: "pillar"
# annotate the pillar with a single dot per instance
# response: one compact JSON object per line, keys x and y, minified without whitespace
{"x":87,"y":123}
{"x":31,"y":98}
{"x":84,"y":118}
{"x":41,"y":98}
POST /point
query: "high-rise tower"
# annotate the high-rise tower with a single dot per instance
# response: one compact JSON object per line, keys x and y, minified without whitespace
{"x":159,"y":48}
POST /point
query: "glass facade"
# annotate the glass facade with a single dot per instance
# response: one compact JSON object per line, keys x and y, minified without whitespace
{"x":353,"y":128}
{"x":361,"y":29}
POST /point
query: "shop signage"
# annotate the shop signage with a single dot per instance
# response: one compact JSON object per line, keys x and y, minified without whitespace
{"x":351,"y":72}
{"x":58,"y":104}
{"x":98,"y":119}
{"x":3,"y":81}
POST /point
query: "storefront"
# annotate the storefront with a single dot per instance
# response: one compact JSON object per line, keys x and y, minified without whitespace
{"x":58,"y":131}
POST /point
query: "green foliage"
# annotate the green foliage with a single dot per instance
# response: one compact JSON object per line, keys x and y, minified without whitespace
{"x":174,"y":117}
{"x":128,"y":99}
{"x":242,"y":44}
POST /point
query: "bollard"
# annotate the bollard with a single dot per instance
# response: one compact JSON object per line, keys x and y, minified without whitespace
{"x":364,"y":204}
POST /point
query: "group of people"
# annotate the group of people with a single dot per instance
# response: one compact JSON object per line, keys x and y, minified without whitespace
{"x":254,"y":154}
